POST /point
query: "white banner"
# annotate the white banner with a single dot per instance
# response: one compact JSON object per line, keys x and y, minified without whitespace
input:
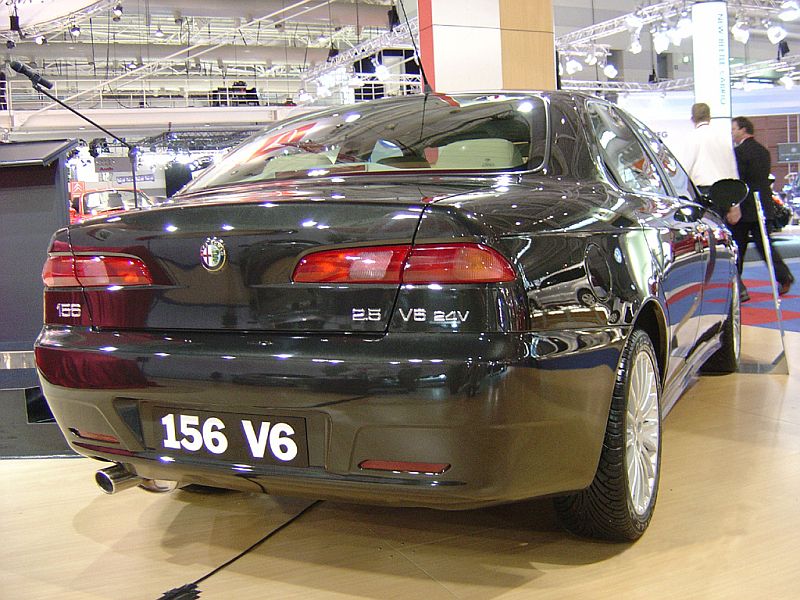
{"x":712,"y":78}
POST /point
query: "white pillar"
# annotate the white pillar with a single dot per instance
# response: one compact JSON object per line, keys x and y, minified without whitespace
{"x":712,"y":77}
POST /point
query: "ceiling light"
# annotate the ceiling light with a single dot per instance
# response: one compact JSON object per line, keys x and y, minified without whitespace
{"x":75,"y":31}
{"x":573,"y":66}
{"x":775,"y":33}
{"x":684,"y":26}
{"x":158,"y":33}
{"x":660,"y":41}
{"x":674,"y":36}
{"x":117,"y":10}
{"x":790,"y":11}
{"x":787,"y":82}
{"x":634,"y":22}
{"x":741,"y":31}
{"x":635,"y":46}
{"x":381,"y":72}
{"x":610,"y":71}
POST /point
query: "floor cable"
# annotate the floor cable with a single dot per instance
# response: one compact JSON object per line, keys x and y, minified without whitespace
{"x":190,"y":591}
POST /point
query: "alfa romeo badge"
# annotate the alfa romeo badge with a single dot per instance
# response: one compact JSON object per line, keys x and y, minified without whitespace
{"x":213,"y":254}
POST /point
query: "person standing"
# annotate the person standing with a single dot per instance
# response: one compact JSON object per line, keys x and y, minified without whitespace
{"x":754,"y":164}
{"x":708,"y":155}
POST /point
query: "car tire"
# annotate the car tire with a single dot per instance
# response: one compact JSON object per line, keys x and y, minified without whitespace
{"x":619,"y":503}
{"x":726,"y":358}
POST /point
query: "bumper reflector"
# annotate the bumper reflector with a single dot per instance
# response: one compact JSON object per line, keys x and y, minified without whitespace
{"x":117,"y":451}
{"x":404,"y":467}
{"x":90,"y":435}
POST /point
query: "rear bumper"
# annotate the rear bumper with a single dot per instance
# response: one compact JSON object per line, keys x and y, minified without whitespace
{"x":514,"y":415}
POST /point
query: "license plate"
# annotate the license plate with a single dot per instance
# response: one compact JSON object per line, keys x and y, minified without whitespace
{"x":277,"y":440}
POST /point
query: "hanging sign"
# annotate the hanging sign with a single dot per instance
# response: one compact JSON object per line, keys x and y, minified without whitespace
{"x":712,"y":77}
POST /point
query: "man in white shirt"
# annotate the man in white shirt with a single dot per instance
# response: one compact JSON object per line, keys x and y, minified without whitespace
{"x":708,"y":155}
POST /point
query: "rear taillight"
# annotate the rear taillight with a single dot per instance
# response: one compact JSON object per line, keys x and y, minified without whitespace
{"x":94,"y":271}
{"x":426,"y":263}
{"x":456,"y":263}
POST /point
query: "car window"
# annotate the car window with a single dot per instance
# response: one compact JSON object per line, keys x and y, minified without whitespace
{"x":105,"y":200}
{"x":569,"y":154}
{"x":679,"y":178}
{"x":434,"y":132}
{"x":622,"y":152}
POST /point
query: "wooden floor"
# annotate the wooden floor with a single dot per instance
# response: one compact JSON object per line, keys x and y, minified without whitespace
{"x":727,"y":525}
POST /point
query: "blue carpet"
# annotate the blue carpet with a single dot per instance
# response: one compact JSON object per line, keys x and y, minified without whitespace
{"x":760,"y":310}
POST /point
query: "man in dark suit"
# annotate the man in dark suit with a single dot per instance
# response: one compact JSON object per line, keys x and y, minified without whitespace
{"x":754,"y":164}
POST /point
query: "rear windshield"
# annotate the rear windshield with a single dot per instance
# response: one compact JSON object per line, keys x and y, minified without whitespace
{"x":106,"y":200}
{"x":432,"y":132}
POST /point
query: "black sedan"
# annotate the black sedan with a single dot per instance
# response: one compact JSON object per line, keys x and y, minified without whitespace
{"x":439,"y":301}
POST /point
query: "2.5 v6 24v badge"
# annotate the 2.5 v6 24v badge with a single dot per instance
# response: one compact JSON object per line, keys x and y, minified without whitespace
{"x":213,"y":254}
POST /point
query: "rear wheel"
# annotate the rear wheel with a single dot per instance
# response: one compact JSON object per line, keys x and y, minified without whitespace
{"x":619,"y":502}
{"x":726,"y":359}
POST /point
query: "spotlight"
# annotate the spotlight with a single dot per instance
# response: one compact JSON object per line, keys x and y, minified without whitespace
{"x":610,"y":71}
{"x":355,"y":81}
{"x":382,"y":72}
{"x":10,"y":44}
{"x":590,"y":58}
{"x":40,"y":40}
{"x":117,"y":10}
{"x":741,"y":31}
{"x":787,"y":82}
{"x":775,"y":33}
{"x":573,"y":66}
{"x":790,"y":11}
{"x":75,"y":31}
{"x":158,"y":33}
{"x":635,"y":46}
{"x":684,"y":26}
{"x":303,"y":96}
{"x":660,"y":41}
{"x":634,"y":22}
{"x":674,"y":36}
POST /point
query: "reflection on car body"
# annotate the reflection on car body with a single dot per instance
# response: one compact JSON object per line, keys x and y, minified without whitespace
{"x":442,"y":301}
{"x":104,"y":201}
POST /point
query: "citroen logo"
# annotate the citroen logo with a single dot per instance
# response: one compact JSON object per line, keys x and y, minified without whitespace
{"x":213,"y":254}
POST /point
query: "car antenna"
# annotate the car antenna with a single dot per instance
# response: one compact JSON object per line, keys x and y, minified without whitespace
{"x":426,"y":86}
{"x":39,"y":84}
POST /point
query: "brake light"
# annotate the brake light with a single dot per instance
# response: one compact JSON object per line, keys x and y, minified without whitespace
{"x":381,"y":264}
{"x":59,"y":271}
{"x":426,"y":263}
{"x":457,"y":263}
{"x":94,"y":271}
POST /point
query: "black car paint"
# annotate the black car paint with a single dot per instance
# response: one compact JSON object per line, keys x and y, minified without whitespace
{"x":514,"y":398}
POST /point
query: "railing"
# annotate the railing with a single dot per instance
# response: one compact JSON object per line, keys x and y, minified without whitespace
{"x":158,"y":93}
{"x":199,"y":92}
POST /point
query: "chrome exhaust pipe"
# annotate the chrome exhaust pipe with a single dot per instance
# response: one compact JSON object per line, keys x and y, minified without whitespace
{"x":115,"y":479}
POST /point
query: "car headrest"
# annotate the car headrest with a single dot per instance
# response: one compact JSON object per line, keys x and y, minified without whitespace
{"x":487,"y":153}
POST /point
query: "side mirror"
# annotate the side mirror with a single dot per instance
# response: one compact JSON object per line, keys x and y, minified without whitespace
{"x":726,"y":193}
